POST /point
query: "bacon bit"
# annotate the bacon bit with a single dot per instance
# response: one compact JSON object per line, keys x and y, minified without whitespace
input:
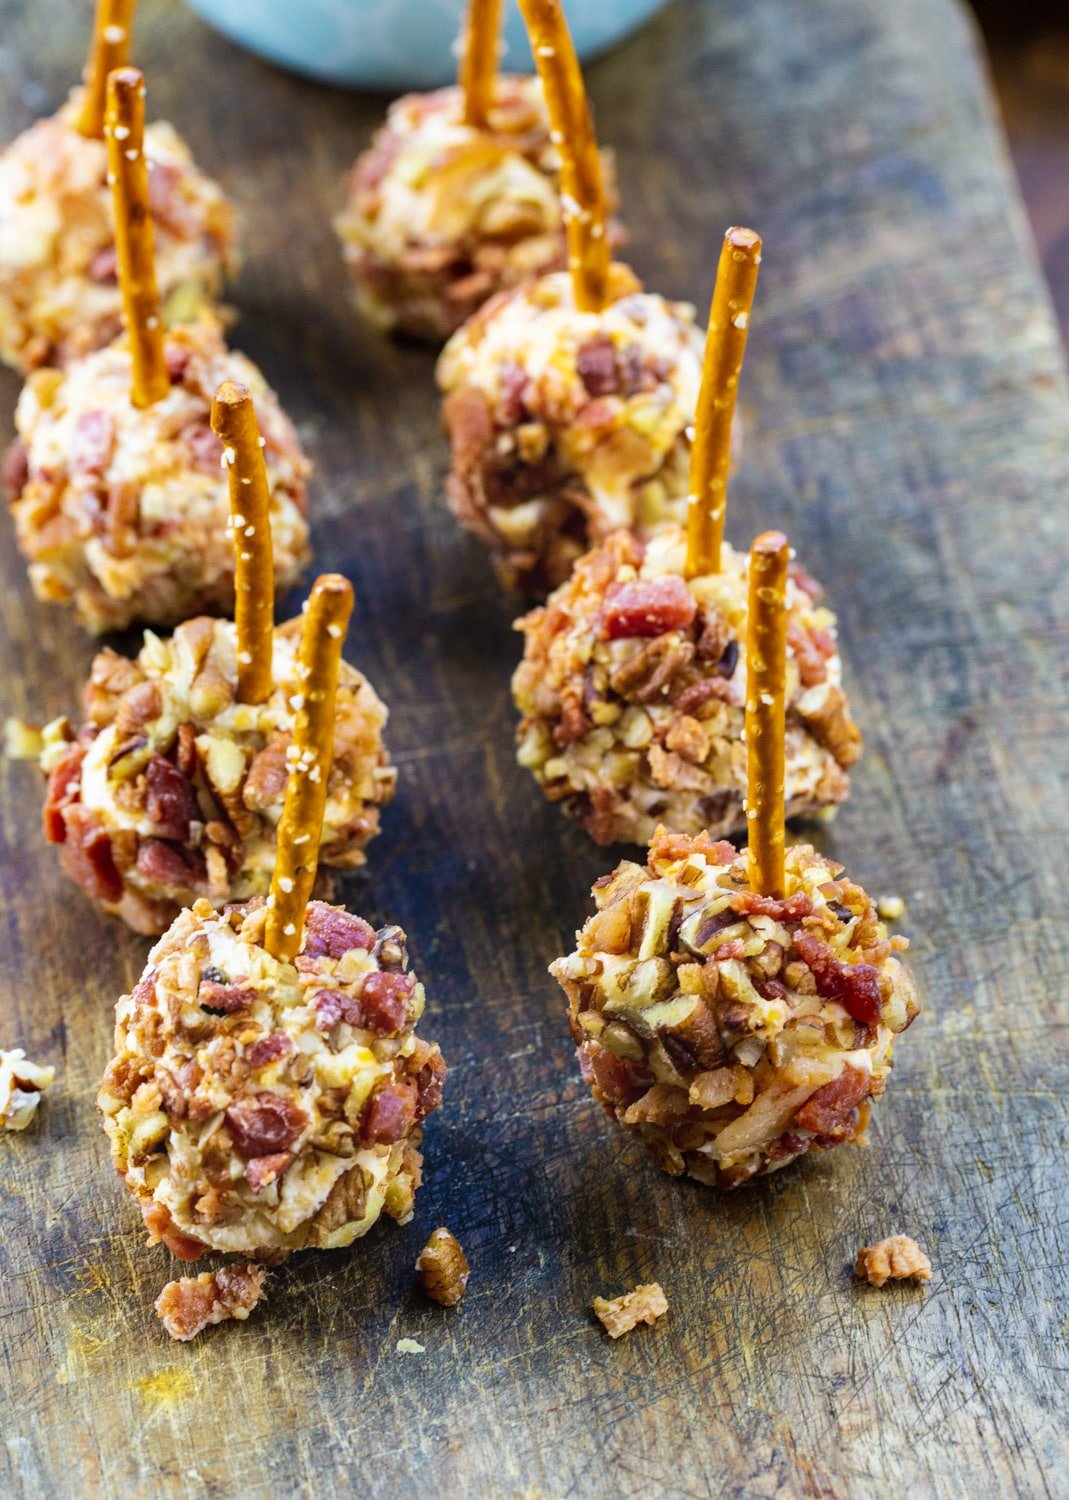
{"x":610,"y":1073}
{"x":786,"y":1146}
{"x":469,"y":421}
{"x":193,"y":1303}
{"x":92,"y":443}
{"x":206,"y":450}
{"x":390,"y":1115}
{"x":268,"y":1049}
{"x":162,"y":864}
{"x":727,"y":951}
{"x":16,"y":468}
{"x":332,"y":1006}
{"x":177,"y":361}
{"x":157,"y":1219}
{"x":227,"y":998}
{"x":596,"y":365}
{"x":666,"y":847}
{"x":64,"y":789}
{"x":790,"y":909}
{"x":264,"y":1124}
{"x":384,"y":1001}
{"x":167,"y":204}
{"x":430,"y":1082}
{"x":856,"y":987}
{"x":804,"y":580}
{"x":104,"y":265}
{"x":646,"y":607}
{"x":88,"y":856}
{"x":513,"y":380}
{"x":262,"y":1171}
{"x":812,"y":662}
{"x":332,"y":932}
{"x":829,"y":1111}
{"x":171,"y":802}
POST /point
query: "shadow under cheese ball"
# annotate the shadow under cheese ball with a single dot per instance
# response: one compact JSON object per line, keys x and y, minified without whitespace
{"x":59,"y":289}
{"x":458,"y":195}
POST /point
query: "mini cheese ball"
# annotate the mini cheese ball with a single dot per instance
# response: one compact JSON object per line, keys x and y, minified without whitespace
{"x":120,"y":510}
{"x":730,"y":1031}
{"x":59,"y":293}
{"x":566,"y":424}
{"x":441,"y":213}
{"x":632,"y":694}
{"x":172,"y":789}
{"x":259,"y":1105}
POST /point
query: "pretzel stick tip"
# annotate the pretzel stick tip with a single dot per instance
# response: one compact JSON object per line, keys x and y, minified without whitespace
{"x":478,"y":59}
{"x":128,"y":175}
{"x":109,"y":49}
{"x":234,"y":423}
{"x":766,"y":681}
{"x":725,"y":348}
{"x":572,"y":131}
{"x":310,"y":755}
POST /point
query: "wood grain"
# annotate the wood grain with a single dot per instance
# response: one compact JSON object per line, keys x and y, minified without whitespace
{"x":907,"y":415}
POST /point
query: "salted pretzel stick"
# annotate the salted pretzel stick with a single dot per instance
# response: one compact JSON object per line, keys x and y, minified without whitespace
{"x":572,"y":132}
{"x":234,"y":424}
{"x":109,"y":49}
{"x":128,"y":175}
{"x":725,"y":346}
{"x":310,"y":757}
{"x":478,"y":61}
{"x":766,"y":681}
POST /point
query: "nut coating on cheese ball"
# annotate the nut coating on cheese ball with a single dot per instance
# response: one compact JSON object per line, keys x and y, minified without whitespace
{"x":441,"y":213}
{"x":258,"y":1106}
{"x":123,"y":512}
{"x":730,"y":1031}
{"x":632,"y":693}
{"x":59,"y":296}
{"x":567,"y":425}
{"x":172,"y":789}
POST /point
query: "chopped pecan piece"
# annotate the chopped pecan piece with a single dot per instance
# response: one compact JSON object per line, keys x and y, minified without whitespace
{"x":898,"y":1258}
{"x":442,"y":1267}
{"x":620,"y":1315}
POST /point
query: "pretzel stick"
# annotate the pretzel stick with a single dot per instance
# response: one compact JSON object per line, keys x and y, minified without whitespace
{"x":478,"y":62}
{"x":766,"y":681}
{"x":572,"y":131}
{"x":234,"y":424}
{"x":301,"y":825}
{"x":128,"y":175}
{"x":109,"y":49}
{"x":725,"y":345}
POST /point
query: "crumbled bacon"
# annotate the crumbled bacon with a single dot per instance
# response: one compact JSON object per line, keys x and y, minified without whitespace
{"x":332,"y":932}
{"x":177,"y":361}
{"x":596,"y":365}
{"x":332,"y":1006}
{"x":430,"y":1079}
{"x":163,"y":864}
{"x":92,"y":443}
{"x":104,"y":265}
{"x":829,"y":1111}
{"x":390,"y":1115}
{"x":611,"y":1074}
{"x":157,"y":1219}
{"x":171,"y":802}
{"x":204,"y":446}
{"x":264,"y":1124}
{"x":384,"y":1001}
{"x":16,"y":468}
{"x":269,"y":1049}
{"x":262,"y":1171}
{"x":668,"y":847}
{"x":64,"y":788}
{"x":188,"y":1306}
{"x":808,"y":653}
{"x":646,"y":607}
{"x":88,"y":856}
{"x":780,"y":909}
{"x":855,"y":986}
{"x":227,"y":998}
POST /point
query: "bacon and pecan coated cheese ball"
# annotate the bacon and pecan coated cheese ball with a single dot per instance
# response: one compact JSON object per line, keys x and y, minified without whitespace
{"x":59,"y":296}
{"x":733,"y":1032}
{"x":123,"y":511}
{"x":567,"y":425}
{"x":172,"y":789}
{"x":259,"y":1106}
{"x":441,"y":214}
{"x":632,"y":692}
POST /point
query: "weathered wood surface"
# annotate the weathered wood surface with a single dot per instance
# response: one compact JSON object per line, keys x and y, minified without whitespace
{"x":907,"y":420}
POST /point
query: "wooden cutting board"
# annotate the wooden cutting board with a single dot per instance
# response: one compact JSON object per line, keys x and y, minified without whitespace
{"x":906,"y":421}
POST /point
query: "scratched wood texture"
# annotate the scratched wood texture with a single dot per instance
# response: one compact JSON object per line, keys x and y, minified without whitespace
{"x":907,"y":420}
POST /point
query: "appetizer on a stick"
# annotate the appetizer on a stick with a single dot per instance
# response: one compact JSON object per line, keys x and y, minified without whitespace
{"x":634,"y":676}
{"x":458,"y":195}
{"x":568,"y":401}
{"x":118,"y":490}
{"x":172,"y":789}
{"x":267,"y":1087}
{"x":734,"y":1010}
{"x":59,"y":293}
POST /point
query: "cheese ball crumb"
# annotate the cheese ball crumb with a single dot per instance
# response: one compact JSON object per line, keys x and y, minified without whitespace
{"x":443,"y":1270}
{"x":622,"y":1314}
{"x":632,"y":695}
{"x":59,"y":294}
{"x":441,"y":214}
{"x":897,"y":1258}
{"x":172,"y":790}
{"x":187,"y":1306}
{"x":124,"y":513}
{"x":256,"y":1106}
{"x":733,"y":1032}
{"x":566,"y":426}
{"x":21,"y":1085}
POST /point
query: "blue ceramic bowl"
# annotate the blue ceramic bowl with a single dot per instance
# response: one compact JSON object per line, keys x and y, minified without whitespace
{"x":397,"y":44}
